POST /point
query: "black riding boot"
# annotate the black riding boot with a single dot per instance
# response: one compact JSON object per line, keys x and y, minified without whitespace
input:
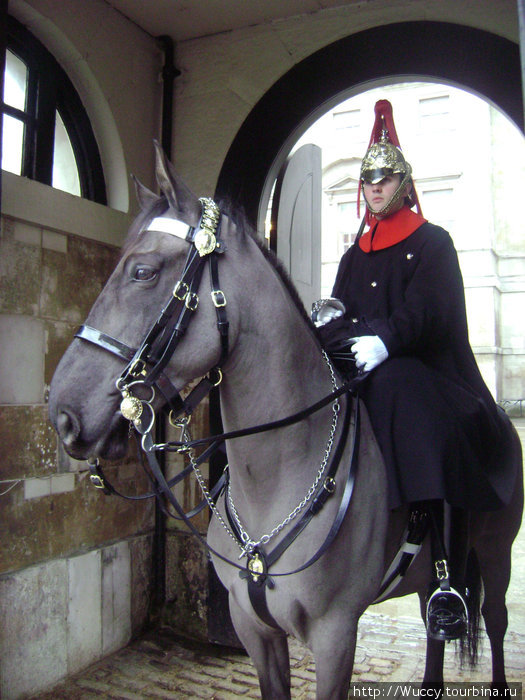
{"x":447,"y":613}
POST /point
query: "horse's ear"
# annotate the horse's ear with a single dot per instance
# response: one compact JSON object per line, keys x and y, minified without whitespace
{"x":145,"y":197}
{"x":179,"y":197}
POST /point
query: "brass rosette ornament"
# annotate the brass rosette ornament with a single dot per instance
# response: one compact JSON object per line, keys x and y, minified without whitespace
{"x":130,"y":406}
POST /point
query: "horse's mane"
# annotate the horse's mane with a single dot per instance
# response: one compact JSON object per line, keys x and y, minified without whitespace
{"x":240,"y":219}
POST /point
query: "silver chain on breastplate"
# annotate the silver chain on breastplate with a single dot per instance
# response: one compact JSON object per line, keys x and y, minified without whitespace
{"x":248,"y":544}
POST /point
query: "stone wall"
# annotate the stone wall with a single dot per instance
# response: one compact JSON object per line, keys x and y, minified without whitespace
{"x":75,"y":565}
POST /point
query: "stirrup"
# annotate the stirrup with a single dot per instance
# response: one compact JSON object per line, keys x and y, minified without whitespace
{"x":447,"y":615}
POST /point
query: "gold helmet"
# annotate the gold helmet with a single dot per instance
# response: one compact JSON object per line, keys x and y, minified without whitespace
{"x":384,"y":157}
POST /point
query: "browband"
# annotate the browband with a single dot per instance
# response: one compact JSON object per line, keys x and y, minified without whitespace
{"x":171,"y":226}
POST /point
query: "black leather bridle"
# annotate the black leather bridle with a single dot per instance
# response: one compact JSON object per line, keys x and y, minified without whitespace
{"x":145,"y":364}
{"x":145,"y":368}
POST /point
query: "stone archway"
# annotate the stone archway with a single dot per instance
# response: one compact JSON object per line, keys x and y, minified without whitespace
{"x":470,"y":58}
{"x":436,"y":51}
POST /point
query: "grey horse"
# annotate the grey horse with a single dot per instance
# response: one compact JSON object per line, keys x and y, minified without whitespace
{"x":274,"y":368}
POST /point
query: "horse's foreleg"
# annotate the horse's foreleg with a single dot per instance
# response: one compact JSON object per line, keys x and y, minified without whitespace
{"x":268,"y":651}
{"x":433,"y":676}
{"x":334,"y":651}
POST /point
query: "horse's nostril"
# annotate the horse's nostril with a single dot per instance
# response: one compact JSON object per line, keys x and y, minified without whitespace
{"x":67,"y":425}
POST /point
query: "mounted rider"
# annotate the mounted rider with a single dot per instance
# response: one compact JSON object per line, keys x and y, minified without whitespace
{"x":398,"y":312}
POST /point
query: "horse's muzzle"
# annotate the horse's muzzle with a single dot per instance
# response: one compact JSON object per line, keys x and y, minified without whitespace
{"x":111,"y":444}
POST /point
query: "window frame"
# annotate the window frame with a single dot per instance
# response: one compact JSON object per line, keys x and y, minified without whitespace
{"x":49,"y":89}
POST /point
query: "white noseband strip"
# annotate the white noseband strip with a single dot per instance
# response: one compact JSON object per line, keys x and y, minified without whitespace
{"x":171,"y":226}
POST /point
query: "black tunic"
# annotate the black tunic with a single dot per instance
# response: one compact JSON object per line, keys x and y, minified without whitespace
{"x":438,"y":427}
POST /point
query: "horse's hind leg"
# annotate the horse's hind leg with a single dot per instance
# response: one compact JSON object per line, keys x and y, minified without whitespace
{"x":269,"y":652}
{"x":495,"y":570}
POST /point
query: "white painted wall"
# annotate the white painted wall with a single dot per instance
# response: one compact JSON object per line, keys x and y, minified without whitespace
{"x":224,"y":75}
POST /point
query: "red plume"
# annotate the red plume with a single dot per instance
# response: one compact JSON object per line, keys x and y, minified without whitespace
{"x":384,"y":119}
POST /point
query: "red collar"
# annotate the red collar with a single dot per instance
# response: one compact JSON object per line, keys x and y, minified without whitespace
{"x":387,"y":232}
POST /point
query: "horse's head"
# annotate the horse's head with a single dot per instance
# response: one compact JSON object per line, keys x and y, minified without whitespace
{"x":84,"y":397}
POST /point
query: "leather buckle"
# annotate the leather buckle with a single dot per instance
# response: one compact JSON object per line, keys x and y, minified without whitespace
{"x":441,"y":569}
{"x":329,"y":485}
{"x":97,"y":481}
{"x":137,"y":368}
{"x":180,"y":291}
{"x":219,"y":298}
{"x":192,"y":301}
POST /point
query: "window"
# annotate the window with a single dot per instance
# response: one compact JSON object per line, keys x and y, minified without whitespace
{"x":349,"y":119}
{"x":346,"y":214}
{"x":434,"y":113}
{"x":438,"y":206}
{"x":46,"y":131}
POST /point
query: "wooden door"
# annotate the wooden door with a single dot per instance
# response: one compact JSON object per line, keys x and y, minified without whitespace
{"x":296,"y":221}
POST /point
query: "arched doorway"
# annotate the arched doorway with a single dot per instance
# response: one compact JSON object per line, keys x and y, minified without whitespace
{"x":460,"y":55}
{"x":434,"y":51}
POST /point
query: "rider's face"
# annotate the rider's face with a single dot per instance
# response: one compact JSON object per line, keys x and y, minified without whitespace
{"x":380,"y":194}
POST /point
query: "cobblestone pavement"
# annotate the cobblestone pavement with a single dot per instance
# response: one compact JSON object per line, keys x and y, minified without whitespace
{"x":168,"y":667}
{"x":390,"y":648}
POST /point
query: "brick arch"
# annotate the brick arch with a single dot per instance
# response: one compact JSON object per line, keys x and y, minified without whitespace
{"x":476,"y":60}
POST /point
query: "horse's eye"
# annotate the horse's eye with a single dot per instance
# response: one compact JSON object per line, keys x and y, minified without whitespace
{"x":144,"y":273}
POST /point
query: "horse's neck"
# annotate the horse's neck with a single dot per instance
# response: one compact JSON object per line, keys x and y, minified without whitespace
{"x":278,"y":370}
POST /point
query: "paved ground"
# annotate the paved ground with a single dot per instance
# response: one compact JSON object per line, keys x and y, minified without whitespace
{"x":390,"y":648}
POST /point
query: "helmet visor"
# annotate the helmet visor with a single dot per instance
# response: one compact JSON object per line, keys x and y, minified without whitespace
{"x":380,"y":160}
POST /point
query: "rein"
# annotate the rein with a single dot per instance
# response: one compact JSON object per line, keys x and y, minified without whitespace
{"x":145,"y":370}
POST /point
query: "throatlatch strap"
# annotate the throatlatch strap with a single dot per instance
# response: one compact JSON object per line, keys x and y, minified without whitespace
{"x":219,"y":301}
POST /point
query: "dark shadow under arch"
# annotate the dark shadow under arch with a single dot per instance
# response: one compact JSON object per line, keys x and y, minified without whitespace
{"x":478,"y":60}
